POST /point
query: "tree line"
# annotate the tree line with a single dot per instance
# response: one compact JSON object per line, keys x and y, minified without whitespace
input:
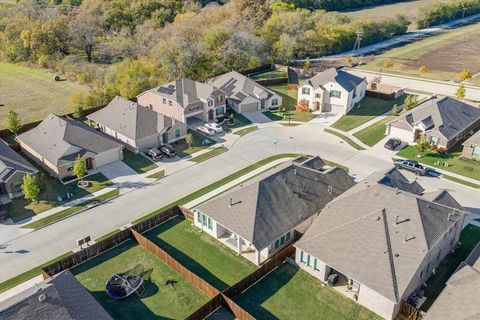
{"x":441,"y":12}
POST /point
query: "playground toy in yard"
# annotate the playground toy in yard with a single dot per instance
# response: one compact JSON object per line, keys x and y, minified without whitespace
{"x":121,"y":285}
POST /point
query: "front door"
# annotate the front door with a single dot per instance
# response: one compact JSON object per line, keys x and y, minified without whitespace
{"x":317,"y":105}
{"x":211,"y":115}
{"x":262,"y":104}
{"x":89,"y":162}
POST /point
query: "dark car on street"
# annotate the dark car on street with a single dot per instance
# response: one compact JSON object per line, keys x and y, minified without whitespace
{"x":155,"y":154}
{"x":168,"y":150}
{"x":392,"y":143}
{"x":411,"y":165}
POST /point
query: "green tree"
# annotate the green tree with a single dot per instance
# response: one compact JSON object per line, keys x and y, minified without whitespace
{"x":30,"y":187}
{"x":189,"y":139}
{"x":410,"y":103}
{"x":395,"y":110}
{"x":422,"y":144}
{"x":460,"y":93}
{"x":13,"y":122}
{"x":78,"y":112}
{"x":306,"y":64}
{"x":80,"y":167}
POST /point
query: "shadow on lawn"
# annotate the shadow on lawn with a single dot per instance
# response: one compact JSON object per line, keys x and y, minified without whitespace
{"x":181,"y":257}
{"x":252,"y":299}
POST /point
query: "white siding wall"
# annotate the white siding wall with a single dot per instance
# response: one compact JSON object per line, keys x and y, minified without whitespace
{"x":212,"y":232}
{"x":376,"y":302}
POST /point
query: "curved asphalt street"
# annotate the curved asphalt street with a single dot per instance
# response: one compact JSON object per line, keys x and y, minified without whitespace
{"x":35,"y":248}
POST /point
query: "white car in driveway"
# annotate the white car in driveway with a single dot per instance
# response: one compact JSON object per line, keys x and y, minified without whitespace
{"x":214,"y":126}
{"x":206,"y":130}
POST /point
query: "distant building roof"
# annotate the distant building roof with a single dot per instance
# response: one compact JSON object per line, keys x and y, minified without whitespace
{"x":60,"y":297}
{"x":184,"y":91}
{"x":10,"y":162}
{"x":130,"y":119}
{"x":237,"y":86}
{"x":447,"y":115}
{"x":346,"y":80}
{"x":378,"y":235}
{"x":264,"y":210}
{"x":474,"y":139}
{"x":60,"y":140}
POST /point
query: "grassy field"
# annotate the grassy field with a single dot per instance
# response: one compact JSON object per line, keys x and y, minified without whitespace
{"x":345,"y":138}
{"x":201,"y":253}
{"x":33,"y":93}
{"x":210,"y":154}
{"x":458,"y":47}
{"x":200,"y":142}
{"x":159,"y":301}
{"x":437,"y":160}
{"x":469,"y":238}
{"x":137,"y":162}
{"x":20,"y":208}
{"x":290,"y":293}
{"x":245,"y":131}
{"x":368,"y":110}
{"x":272,"y":74}
{"x":371,"y":135}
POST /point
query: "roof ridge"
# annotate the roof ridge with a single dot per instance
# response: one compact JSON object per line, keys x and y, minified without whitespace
{"x":390,"y":255}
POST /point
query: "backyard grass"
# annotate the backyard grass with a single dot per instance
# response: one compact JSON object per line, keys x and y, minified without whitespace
{"x":217,"y":184}
{"x":201,"y":253}
{"x":200,"y":142}
{"x":373,"y":134}
{"x":368,"y":110}
{"x":294,"y":116}
{"x":70,"y":211}
{"x":433,"y":159}
{"x":157,"y":175}
{"x":20,"y":208}
{"x":30,"y":274}
{"x":210,"y":154}
{"x":469,"y":238}
{"x":291,"y":293}
{"x":245,"y":131}
{"x":352,"y":143}
{"x":159,"y":301}
{"x":289,"y":97}
{"x":272,"y":74}
{"x":33,"y":93}
{"x":137,"y":162}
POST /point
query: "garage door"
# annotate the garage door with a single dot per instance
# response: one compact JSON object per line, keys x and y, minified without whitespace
{"x":107,"y":157}
{"x":404,"y":135}
{"x":249,"y":107}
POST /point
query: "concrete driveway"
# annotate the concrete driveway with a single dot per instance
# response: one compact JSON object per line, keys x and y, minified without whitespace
{"x":256,"y":117}
{"x":122,"y":175}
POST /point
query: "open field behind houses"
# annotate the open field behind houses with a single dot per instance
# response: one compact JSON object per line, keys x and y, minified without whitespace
{"x":33,"y":93}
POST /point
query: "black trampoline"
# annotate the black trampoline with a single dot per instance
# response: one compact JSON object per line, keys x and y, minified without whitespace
{"x":122,"y":285}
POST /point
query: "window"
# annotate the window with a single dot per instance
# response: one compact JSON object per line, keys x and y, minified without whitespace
{"x":170,"y":103}
{"x":199,"y":216}
{"x":219,"y":98}
{"x":476,"y":152}
{"x":277,"y":243}
{"x":335,"y":94}
{"x":210,"y":103}
{"x":177,"y":132}
{"x":315,"y":265}
{"x":434,"y":140}
{"x":318,"y":95}
{"x":164,"y":100}
{"x":274,"y":102}
{"x":287,"y":237}
{"x":302,"y":257}
{"x":282,"y":240}
{"x":220,"y":111}
{"x":305,"y":90}
{"x":309,"y":261}
{"x":205,"y":220}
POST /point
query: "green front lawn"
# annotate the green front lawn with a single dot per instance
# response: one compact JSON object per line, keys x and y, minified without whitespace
{"x":157,"y":175}
{"x":291,"y":293}
{"x":433,"y":159}
{"x":272,"y":74}
{"x":373,"y":134}
{"x":469,"y":238}
{"x":368,"y":110}
{"x":210,"y":154}
{"x":20,"y":208}
{"x":200,"y":142}
{"x":137,"y":162}
{"x":289,"y":97}
{"x":294,"y":116}
{"x":245,"y":131}
{"x":159,"y":301}
{"x":201,"y":253}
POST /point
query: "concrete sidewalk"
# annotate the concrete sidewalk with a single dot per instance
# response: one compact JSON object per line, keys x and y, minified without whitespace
{"x":349,"y":135}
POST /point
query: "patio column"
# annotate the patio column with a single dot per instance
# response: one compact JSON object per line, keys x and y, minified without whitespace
{"x":239,"y":245}
{"x":257,"y":256}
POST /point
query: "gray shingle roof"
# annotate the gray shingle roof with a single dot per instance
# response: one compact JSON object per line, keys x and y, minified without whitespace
{"x":10,"y":161}
{"x":130,"y":119}
{"x":447,"y":115}
{"x":60,"y":140}
{"x":237,"y":86}
{"x":395,"y":179}
{"x":346,"y":80}
{"x":475,"y":139}
{"x":184,"y":91}
{"x":65,"y":298}
{"x":378,"y":235}
{"x":266,"y":209}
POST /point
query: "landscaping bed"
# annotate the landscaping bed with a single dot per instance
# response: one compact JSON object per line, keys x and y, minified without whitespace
{"x":210,"y":154}
{"x":200,"y":253}
{"x":159,"y":301}
{"x":137,"y":162}
{"x":239,"y":120}
{"x":291,"y":293}
{"x":199,"y":143}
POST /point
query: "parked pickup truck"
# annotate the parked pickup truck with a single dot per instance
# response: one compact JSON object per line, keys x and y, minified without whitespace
{"x":411,"y":165}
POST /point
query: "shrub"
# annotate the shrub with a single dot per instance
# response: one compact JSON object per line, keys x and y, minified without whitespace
{"x":423,"y":69}
{"x":388,"y":63}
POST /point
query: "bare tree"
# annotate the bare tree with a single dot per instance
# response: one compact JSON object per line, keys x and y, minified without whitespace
{"x":84,"y":28}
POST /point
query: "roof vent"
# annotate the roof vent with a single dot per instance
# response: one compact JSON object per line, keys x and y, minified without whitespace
{"x":231,"y":203}
{"x":376,"y":218}
{"x":330,"y":189}
{"x":397,"y":255}
{"x":295,"y":171}
{"x":42,"y":297}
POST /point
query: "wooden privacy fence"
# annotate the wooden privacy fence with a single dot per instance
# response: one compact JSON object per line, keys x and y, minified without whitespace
{"x":408,"y":312}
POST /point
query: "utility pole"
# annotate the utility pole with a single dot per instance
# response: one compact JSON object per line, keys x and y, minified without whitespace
{"x":356,"y":46}
{"x":463,"y":14}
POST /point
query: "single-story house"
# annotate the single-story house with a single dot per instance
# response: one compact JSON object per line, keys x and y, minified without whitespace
{"x":183,"y":99}
{"x":460,"y":299}
{"x":137,"y":127}
{"x":12,"y":169}
{"x":380,"y":242}
{"x":60,"y":297}
{"x":471,"y":147}
{"x":56,"y":142}
{"x":443,"y":121}
{"x":332,"y":90}
{"x":261,"y":218}
{"x":245,"y":95}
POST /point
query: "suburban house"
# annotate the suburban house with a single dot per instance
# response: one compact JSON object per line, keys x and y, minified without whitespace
{"x":137,"y":127}
{"x":262,"y":217}
{"x":380,"y":242}
{"x":459,"y":299}
{"x":244,"y":94}
{"x":12,"y":169}
{"x":184,"y":99}
{"x":443,"y":121}
{"x":58,"y":297}
{"x":471,"y":147}
{"x":56,"y":142}
{"x":332,"y":90}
